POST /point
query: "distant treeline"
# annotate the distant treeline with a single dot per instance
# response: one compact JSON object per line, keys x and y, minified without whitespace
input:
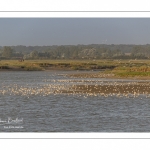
{"x":92,"y":51}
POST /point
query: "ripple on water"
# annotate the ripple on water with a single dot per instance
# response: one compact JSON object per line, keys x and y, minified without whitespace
{"x":34,"y":97}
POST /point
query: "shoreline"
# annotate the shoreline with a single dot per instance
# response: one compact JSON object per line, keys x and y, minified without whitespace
{"x":81,"y":73}
{"x":86,"y":86}
{"x":107,"y":76}
{"x":109,"y":69}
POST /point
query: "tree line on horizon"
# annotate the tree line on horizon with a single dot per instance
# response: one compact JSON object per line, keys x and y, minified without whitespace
{"x":92,"y":51}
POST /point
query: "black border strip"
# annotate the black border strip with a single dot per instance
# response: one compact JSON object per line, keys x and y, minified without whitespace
{"x":76,"y":11}
{"x":79,"y":138}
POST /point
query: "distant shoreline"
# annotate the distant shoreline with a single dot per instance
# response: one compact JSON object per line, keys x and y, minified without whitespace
{"x":114,"y":69}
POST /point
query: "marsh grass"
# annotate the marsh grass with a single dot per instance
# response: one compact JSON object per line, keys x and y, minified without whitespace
{"x":122,"y":68}
{"x":57,"y":64}
{"x":132,"y":71}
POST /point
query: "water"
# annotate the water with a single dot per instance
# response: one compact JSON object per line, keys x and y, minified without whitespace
{"x":39,"y":112}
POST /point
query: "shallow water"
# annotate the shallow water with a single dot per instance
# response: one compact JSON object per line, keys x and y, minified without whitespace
{"x":56,"y":112}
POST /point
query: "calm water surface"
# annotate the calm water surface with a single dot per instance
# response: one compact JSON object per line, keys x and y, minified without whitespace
{"x":64,"y":112}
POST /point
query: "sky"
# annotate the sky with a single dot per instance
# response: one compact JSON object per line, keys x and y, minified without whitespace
{"x":73,"y":31}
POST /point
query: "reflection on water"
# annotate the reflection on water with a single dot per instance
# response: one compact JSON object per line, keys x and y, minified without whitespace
{"x":23,"y":96}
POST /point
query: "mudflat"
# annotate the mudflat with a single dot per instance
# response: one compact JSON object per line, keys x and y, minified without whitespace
{"x":138,"y":88}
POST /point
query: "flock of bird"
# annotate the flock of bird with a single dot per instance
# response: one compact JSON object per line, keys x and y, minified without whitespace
{"x":80,"y":87}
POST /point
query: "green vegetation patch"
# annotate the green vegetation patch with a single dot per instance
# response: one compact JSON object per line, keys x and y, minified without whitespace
{"x":131,"y":71}
{"x":132,"y":74}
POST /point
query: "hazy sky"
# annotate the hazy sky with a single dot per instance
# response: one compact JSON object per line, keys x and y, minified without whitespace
{"x":73,"y":31}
